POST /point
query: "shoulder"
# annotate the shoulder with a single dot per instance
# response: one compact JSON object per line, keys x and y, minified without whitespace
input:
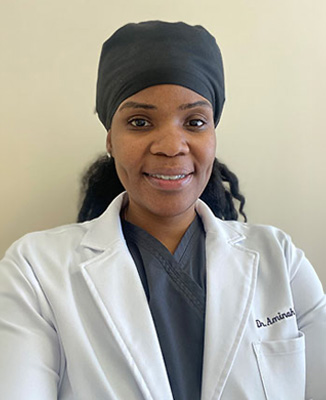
{"x":60,"y":251}
{"x":44,"y":256}
{"x":259,"y":233}
{"x":96,"y":234}
{"x":255,"y":235}
{"x":56,"y":239}
{"x":278,"y":255}
{"x":273,"y":247}
{"x":269,"y":241}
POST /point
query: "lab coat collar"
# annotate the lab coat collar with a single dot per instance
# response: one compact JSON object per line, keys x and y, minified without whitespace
{"x":104,"y":230}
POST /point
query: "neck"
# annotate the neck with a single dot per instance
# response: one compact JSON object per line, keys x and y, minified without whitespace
{"x":168,"y":230}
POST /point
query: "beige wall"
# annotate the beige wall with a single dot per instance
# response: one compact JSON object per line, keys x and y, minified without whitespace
{"x":272,"y":132}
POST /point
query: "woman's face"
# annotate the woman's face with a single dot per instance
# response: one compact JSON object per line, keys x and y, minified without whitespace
{"x":163,"y":142}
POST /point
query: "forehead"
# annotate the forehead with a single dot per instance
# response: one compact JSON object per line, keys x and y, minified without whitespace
{"x":165,"y":96}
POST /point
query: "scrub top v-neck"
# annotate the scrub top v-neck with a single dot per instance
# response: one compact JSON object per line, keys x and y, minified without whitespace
{"x":175,"y":286}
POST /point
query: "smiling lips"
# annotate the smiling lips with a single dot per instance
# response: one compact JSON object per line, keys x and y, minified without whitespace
{"x":168,"y":182}
{"x":168,"y":177}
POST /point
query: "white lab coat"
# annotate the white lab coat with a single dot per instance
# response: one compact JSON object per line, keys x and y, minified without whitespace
{"x":75,"y":323}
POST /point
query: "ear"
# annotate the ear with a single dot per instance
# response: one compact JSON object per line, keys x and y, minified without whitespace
{"x":109,"y":142}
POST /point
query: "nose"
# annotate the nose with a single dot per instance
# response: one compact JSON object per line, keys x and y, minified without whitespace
{"x":170,"y":142}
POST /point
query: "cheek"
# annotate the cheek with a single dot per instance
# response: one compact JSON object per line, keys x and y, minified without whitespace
{"x":208,"y":152}
{"x":127,"y":162}
{"x":124,"y":172}
{"x":213,"y":143}
{"x":119,"y":148}
{"x":208,"y":155}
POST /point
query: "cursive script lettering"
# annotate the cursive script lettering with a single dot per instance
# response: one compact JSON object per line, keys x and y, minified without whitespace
{"x":272,"y":320}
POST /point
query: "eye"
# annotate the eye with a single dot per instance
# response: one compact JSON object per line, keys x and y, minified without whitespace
{"x":195,"y":123}
{"x":139,"y":123}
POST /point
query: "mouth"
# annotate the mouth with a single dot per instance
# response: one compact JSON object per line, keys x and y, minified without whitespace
{"x":169,"y":182}
{"x":167,"y":177}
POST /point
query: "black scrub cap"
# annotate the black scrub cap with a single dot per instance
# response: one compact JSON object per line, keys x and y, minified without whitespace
{"x":151,"y":53}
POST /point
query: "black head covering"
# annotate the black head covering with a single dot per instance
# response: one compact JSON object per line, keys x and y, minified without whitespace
{"x":151,"y":53}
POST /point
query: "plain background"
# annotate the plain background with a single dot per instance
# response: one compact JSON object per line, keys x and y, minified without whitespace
{"x":272,"y":132}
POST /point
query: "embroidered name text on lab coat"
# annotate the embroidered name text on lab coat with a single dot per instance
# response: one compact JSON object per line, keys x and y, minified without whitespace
{"x":272,"y":320}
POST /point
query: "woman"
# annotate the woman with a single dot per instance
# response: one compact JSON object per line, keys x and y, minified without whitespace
{"x":157,"y":298}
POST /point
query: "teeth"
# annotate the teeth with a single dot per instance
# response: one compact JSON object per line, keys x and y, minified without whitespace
{"x":168,"y":177}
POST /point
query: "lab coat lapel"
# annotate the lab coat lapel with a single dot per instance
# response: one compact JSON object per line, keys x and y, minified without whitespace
{"x":231,"y":282}
{"x":114,"y":283}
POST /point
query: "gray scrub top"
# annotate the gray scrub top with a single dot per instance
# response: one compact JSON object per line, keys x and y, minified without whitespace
{"x":175,"y":286}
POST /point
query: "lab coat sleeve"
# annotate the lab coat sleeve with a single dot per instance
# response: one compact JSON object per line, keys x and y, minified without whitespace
{"x":29,"y":355}
{"x":310,"y":305}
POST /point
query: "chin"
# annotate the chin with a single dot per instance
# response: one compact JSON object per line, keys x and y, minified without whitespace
{"x":172,"y":210}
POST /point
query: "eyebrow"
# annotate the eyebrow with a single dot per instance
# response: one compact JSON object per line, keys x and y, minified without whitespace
{"x":133,"y":104}
{"x":146,"y":106}
{"x":196,"y":104}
